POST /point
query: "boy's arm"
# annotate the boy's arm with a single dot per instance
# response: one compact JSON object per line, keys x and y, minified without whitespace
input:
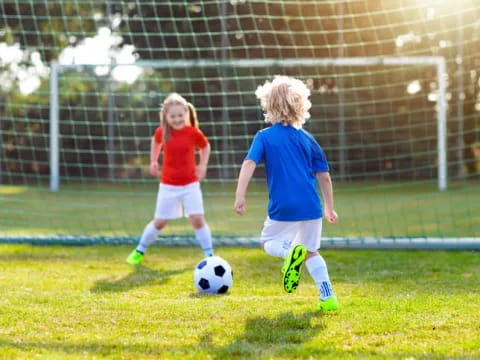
{"x":202,"y":166}
{"x":154,"y":153}
{"x":325,"y":183}
{"x":246,"y":172}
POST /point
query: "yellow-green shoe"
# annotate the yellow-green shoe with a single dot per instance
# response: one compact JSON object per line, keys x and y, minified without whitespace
{"x":135,"y":258}
{"x":329,"y":304}
{"x":292,"y":267}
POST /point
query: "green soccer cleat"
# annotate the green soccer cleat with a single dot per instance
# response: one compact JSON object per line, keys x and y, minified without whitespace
{"x":292,"y":267}
{"x":135,"y":258}
{"x":329,"y":304}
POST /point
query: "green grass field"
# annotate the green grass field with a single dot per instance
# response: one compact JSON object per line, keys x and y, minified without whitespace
{"x":365,"y":209}
{"x":86,"y":303}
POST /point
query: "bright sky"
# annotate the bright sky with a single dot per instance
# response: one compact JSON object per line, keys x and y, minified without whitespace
{"x":102,"y":49}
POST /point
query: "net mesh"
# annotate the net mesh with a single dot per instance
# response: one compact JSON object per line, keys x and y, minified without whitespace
{"x":377,"y":124}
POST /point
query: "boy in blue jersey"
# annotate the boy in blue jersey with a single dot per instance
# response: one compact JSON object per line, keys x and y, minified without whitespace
{"x":294,"y":162}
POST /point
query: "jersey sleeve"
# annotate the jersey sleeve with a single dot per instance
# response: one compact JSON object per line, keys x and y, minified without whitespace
{"x":256,"y":152}
{"x":158,"y":135}
{"x":319,"y":160}
{"x":200,"y":139}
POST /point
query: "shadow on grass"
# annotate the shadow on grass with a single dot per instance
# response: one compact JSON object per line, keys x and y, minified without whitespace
{"x":81,"y":349}
{"x":274,"y":337}
{"x":60,"y":253}
{"x":279,"y":336}
{"x":140,"y":276}
{"x":237,"y":350}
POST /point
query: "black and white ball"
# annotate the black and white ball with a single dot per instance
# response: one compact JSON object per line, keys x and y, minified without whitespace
{"x":213,"y":275}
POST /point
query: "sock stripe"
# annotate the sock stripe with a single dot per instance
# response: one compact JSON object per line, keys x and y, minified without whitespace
{"x":326,"y":289}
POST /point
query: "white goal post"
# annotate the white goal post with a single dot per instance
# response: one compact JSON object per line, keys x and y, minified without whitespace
{"x":437,"y":61}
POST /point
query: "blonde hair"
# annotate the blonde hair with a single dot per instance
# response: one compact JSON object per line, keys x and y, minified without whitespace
{"x":176,"y":99}
{"x":285,"y":100}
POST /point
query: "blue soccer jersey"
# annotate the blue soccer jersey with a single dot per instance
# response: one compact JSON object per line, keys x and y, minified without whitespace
{"x":291,"y":157}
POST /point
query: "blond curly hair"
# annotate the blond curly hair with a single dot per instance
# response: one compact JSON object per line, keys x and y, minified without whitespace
{"x":285,"y":100}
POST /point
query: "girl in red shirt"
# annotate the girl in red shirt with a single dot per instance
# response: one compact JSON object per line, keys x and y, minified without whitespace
{"x":179,"y":190}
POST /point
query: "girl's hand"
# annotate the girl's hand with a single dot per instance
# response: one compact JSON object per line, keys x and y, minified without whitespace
{"x":201,"y":171}
{"x":154,"y":168}
{"x":330,"y":215}
{"x":239,"y":206}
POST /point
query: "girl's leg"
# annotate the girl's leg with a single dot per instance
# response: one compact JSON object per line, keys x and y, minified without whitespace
{"x":150,"y":233}
{"x":168,"y":206}
{"x":193,"y":206}
{"x":202,"y":233}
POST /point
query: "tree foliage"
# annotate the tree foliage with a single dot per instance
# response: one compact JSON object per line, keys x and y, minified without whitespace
{"x":171,"y":30}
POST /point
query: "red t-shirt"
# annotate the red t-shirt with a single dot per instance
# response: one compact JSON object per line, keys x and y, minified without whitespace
{"x":178,"y":164}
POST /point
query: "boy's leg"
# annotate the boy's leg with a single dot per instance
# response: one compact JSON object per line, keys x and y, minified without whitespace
{"x":292,"y":267}
{"x":276,"y":239}
{"x":318,"y":270}
{"x":311,"y":234}
{"x":276,"y":248}
{"x":277,"y":236}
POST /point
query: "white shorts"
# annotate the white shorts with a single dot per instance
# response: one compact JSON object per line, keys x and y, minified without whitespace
{"x":307,"y":233}
{"x":173,"y":201}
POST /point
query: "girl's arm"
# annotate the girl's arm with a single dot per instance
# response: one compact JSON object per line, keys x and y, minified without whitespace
{"x":202,"y":166}
{"x":246,"y":173}
{"x":154,"y":153}
{"x":325,"y":183}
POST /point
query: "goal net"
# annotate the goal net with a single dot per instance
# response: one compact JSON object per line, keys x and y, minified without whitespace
{"x":394,"y":93}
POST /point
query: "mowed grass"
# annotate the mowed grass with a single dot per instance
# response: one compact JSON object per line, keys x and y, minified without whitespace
{"x":86,"y":303}
{"x":383,"y":209}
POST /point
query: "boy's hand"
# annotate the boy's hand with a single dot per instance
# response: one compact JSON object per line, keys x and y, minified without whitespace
{"x":239,"y":205}
{"x":154,"y":168}
{"x":330,"y":215}
{"x":201,"y":172}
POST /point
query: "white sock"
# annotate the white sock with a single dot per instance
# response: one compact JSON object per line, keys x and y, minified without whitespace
{"x":318,"y":270}
{"x":149,"y":234}
{"x":204,"y":238}
{"x":276,"y":248}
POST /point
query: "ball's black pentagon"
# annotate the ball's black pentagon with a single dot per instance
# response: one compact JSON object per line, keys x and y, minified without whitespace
{"x":201,"y":264}
{"x":204,"y":284}
{"x":219,"y":270}
{"x":223,"y":289}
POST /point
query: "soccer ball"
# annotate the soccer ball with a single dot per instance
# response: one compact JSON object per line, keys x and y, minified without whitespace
{"x":213,"y":275}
